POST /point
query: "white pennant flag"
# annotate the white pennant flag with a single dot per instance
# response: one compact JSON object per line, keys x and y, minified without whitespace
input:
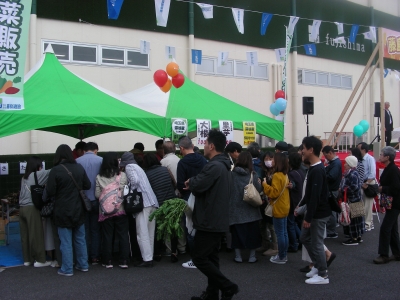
{"x":280,"y":54}
{"x":162,"y":11}
{"x":339,"y":27}
{"x":397,"y":74}
{"x":169,"y":52}
{"x":340,"y":40}
{"x":144,"y":47}
{"x":371,"y":34}
{"x":238,"y":15}
{"x":252,"y":58}
{"x":315,"y":31}
{"x":207,"y":10}
{"x":222,"y":58}
{"x":292,"y":24}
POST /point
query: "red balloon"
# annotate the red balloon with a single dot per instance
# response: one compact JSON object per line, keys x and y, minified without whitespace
{"x":178,"y":80}
{"x":280,"y":94}
{"x":160,"y":77}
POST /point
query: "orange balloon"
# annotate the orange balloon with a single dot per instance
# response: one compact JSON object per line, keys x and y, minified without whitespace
{"x":166,"y":86}
{"x":172,"y":69}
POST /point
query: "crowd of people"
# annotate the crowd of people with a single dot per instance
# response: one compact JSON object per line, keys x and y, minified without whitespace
{"x":298,"y":194}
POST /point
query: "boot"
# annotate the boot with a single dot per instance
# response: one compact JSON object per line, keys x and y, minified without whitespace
{"x":272,"y":251}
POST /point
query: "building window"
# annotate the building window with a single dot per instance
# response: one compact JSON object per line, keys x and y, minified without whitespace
{"x":232,"y":68}
{"x":98,"y":54}
{"x":312,"y":77}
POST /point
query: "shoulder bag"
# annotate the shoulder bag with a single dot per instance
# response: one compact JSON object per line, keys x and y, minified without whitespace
{"x":386,"y":201}
{"x":36,"y":193}
{"x":47,"y":209}
{"x":85,"y":200}
{"x":372,"y":190}
{"x":251,"y":195}
{"x":268,"y":209}
{"x":133,"y":201}
{"x":344,"y":216}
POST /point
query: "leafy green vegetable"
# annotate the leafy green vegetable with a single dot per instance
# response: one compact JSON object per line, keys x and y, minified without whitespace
{"x":17,"y":79}
{"x":168,"y":218}
{"x":2,"y":81}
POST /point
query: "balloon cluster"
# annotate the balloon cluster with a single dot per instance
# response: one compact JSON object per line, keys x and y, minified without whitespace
{"x":280,"y":103}
{"x":164,"y":82}
{"x":361,"y":128}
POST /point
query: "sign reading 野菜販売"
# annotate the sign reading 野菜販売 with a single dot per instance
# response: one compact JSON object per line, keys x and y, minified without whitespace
{"x":391,"y":47}
{"x":14,"y":31}
{"x":227,"y":128}
{"x":179,"y":128}
{"x":203,"y":127}
{"x":249,"y":132}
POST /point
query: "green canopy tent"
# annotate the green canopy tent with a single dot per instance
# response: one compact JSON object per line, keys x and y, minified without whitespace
{"x":192,"y":101}
{"x":57,"y":100}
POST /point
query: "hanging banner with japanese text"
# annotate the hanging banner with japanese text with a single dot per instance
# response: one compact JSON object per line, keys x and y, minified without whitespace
{"x":227,"y":128}
{"x":22,"y":167}
{"x":179,"y":128}
{"x":203,"y":127}
{"x":3,"y":168}
{"x":249,"y":132}
{"x":14,"y":29}
{"x":162,"y":12}
{"x":391,"y":44}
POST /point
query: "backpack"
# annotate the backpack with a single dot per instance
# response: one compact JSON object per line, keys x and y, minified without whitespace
{"x":110,"y":198}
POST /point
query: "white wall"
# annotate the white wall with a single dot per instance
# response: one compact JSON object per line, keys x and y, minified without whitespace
{"x":387,"y":6}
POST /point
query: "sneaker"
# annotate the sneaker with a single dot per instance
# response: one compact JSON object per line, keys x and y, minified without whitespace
{"x":227,"y":294}
{"x":318,"y":280}
{"x":82,"y":269}
{"x":207,"y":296}
{"x":360,"y":240}
{"x":95,"y":261}
{"x":108,"y":265}
{"x":332,"y":236}
{"x":27,"y":264}
{"x":253,"y":259}
{"x":367,"y":229}
{"x":276,"y":260}
{"x":54,"y":264}
{"x":381,"y":260}
{"x":350,"y":242}
{"x":189,"y":265}
{"x":306,"y":269}
{"x":312,"y":273}
{"x":59,"y":272}
{"x":39,"y":264}
{"x":123,"y":265}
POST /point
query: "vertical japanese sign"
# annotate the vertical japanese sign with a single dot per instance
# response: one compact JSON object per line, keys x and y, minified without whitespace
{"x":179,"y":128}
{"x":227,"y":128}
{"x":4,"y":169}
{"x":391,"y":44}
{"x":22,"y":167}
{"x":249,"y":132}
{"x":203,"y":127}
{"x":14,"y":32}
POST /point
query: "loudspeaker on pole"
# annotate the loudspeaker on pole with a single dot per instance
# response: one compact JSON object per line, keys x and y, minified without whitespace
{"x":377,"y":110}
{"x":308,"y":105}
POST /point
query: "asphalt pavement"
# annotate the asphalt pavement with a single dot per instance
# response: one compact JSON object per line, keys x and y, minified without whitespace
{"x":352,"y":276}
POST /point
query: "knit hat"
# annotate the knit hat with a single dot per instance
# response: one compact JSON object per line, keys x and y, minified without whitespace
{"x":126,"y":159}
{"x":282,"y":146}
{"x":351,"y":161}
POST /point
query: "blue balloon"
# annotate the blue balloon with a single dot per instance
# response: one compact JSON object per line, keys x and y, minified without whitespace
{"x":364,"y":124}
{"x":281,"y":104}
{"x":358,"y":130}
{"x":274,"y":110}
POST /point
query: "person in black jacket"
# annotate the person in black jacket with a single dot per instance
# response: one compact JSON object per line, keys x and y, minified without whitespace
{"x":388,"y":124}
{"x":212,"y":189}
{"x":389,"y":186}
{"x":69,"y":213}
{"x":318,"y":211}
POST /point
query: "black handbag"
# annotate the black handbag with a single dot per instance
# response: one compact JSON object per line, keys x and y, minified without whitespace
{"x":333,"y":203}
{"x":47,"y":209}
{"x":372,"y":190}
{"x":37,"y":193}
{"x":133,"y":202}
{"x":85,"y":200}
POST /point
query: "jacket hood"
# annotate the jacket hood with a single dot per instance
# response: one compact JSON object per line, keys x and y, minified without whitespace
{"x":193,"y":159}
{"x":222,"y":159}
{"x":241,"y":171}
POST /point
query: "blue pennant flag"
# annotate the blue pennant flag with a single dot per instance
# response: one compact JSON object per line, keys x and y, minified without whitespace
{"x":114,"y":8}
{"x":353,"y":33}
{"x":385,"y":72}
{"x":310,"y":49}
{"x":265,"y":19}
{"x":196,"y":57}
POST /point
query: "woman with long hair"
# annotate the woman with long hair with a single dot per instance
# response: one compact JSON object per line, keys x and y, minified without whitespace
{"x":69,"y":212}
{"x":117,"y":222}
{"x":244,"y":218}
{"x":278,"y":195}
{"x":32,"y":238}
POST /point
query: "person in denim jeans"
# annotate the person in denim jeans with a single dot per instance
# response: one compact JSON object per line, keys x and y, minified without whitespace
{"x":69,"y":213}
{"x":278,"y":195}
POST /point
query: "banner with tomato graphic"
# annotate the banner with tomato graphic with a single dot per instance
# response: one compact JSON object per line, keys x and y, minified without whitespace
{"x":14,"y":32}
{"x":391,"y":46}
